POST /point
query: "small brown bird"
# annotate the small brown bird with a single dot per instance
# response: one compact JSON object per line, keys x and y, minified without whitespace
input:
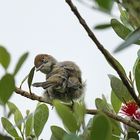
{"x":63,"y":79}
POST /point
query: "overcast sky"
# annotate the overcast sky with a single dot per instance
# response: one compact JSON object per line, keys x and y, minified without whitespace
{"x":50,"y":27}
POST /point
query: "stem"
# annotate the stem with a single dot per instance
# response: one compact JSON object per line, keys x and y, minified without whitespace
{"x":22,"y":135}
{"x":105,"y":52}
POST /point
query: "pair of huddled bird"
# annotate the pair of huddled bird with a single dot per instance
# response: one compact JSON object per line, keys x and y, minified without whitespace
{"x":63,"y":79}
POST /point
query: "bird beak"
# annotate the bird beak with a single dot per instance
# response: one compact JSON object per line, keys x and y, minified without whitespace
{"x":39,"y":68}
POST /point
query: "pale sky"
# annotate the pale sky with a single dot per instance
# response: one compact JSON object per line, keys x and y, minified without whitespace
{"x":50,"y":27}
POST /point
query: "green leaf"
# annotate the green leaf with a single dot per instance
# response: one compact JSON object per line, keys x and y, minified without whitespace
{"x":67,"y":116}
{"x":79,"y":112}
{"x":58,"y":132}
{"x":132,"y":136}
{"x":40,"y":118}
{"x":18,"y":119}
{"x":25,"y":78}
{"x":71,"y":137}
{"x":135,"y":64}
{"x":29,"y":125}
{"x":30,"y":78}
{"x":87,"y":130}
{"x":116,"y":129}
{"x":137,"y":74}
{"x":4,"y":137}
{"x":102,"y":105}
{"x":12,"y":108}
{"x":125,"y":17}
{"x":138,"y":53}
{"x":105,"y":4}
{"x":4,"y":57}
{"x":17,"y":114}
{"x":53,"y":137}
{"x":18,"y":138}
{"x":131,"y":39}
{"x":102,"y":26}
{"x":9,"y":127}
{"x":120,"y":29}
{"x":120,"y":89}
{"x":101,"y":128}
{"x":7,"y":86}
{"x":120,"y":67}
{"x":116,"y":103}
{"x":20,"y":62}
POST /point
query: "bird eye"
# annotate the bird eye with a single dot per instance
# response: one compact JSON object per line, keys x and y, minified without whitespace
{"x":44,"y":61}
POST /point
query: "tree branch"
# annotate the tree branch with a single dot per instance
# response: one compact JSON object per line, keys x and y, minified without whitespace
{"x":105,"y":52}
{"x":115,"y":117}
{"x":33,"y":96}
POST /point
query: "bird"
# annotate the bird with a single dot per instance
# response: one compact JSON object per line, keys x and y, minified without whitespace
{"x":63,"y":79}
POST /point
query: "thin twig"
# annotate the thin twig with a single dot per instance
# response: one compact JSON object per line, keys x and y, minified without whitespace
{"x":105,"y":52}
{"x":33,"y":96}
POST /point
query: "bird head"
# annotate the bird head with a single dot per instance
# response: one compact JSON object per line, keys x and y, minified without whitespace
{"x":44,"y":63}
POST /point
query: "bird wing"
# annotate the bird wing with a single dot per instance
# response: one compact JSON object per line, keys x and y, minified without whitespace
{"x":71,"y":69}
{"x":74,"y":82}
{"x":54,"y":81}
{"x":57,"y":70}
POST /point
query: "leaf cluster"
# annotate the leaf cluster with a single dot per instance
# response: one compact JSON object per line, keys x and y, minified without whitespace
{"x":7,"y":81}
{"x":28,"y":127}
